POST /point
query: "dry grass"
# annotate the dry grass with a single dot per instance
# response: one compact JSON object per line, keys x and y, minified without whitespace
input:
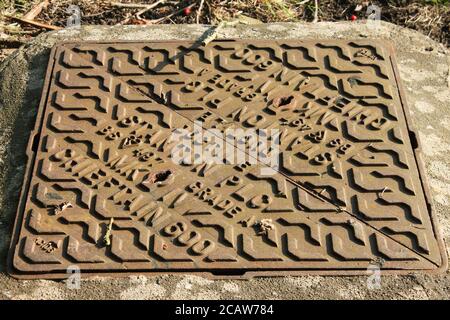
{"x":431,"y":17}
{"x":433,"y":20}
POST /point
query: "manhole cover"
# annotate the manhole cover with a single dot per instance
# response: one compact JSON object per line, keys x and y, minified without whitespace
{"x":110,"y":187}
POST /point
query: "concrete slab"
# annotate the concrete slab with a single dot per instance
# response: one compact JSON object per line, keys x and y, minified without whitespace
{"x":424,"y":68}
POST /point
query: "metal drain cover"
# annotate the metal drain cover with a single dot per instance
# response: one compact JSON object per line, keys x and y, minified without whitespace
{"x":103,"y":193}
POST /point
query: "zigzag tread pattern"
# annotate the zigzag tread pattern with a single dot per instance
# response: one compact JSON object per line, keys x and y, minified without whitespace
{"x":346,"y":193}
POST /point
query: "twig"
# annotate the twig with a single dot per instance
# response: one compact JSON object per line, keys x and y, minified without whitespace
{"x":316,"y":11}
{"x":218,"y":28}
{"x":171,"y":15}
{"x":36,"y":10}
{"x":57,"y":209}
{"x":10,"y":44}
{"x":33,"y":23}
{"x":199,"y":12}
{"x":129,"y":5}
{"x":149,"y":7}
{"x":137,"y":15}
{"x":97,"y":14}
{"x":17,"y":30}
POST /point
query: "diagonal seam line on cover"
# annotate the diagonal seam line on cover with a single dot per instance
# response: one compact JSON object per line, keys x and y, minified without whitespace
{"x":295,"y":183}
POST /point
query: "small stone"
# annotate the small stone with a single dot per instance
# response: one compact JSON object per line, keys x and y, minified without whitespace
{"x":264,"y":226}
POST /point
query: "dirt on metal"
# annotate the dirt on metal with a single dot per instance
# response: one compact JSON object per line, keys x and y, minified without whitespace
{"x":348,"y":190}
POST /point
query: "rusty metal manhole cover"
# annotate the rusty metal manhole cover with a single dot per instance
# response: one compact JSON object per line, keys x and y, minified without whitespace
{"x":103,"y":194}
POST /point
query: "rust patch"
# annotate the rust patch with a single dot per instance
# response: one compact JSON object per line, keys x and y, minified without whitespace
{"x":348,"y":190}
